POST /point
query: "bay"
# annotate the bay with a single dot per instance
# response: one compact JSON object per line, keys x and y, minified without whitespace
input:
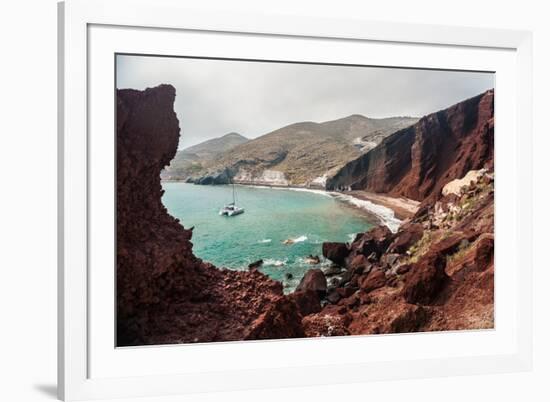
{"x":272,"y":215}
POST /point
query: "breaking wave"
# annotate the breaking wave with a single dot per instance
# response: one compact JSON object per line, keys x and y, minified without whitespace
{"x":385,"y":214}
{"x":274,"y":263}
{"x":300,"y":239}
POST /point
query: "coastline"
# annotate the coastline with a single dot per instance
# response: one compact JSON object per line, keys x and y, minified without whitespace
{"x":382,"y":213}
{"x":404,"y":208}
{"x":388,"y":211}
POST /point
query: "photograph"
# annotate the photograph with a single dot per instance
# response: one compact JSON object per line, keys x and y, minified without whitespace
{"x":267,"y":200}
{"x":275,"y":201}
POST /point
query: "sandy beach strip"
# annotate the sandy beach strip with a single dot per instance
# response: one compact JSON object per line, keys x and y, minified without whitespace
{"x":404,"y":208}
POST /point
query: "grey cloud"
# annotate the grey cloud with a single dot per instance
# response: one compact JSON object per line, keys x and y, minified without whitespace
{"x":215,"y":97}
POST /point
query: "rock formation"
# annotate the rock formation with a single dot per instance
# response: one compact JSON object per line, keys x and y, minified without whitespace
{"x":314,"y":280}
{"x":435,"y":273}
{"x":164,"y":293}
{"x":419,"y":160}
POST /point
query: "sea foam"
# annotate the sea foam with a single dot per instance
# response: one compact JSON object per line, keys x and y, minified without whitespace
{"x":300,"y":239}
{"x":385,"y":214}
{"x":274,"y":262}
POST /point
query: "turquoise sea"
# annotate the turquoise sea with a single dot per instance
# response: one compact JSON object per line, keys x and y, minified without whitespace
{"x":271,"y":216}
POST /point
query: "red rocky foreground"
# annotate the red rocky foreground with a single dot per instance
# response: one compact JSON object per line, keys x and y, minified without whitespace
{"x":164,"y":293}
{"x":435,"y":273}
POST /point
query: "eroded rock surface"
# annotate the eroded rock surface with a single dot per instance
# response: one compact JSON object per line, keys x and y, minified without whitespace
{"x":418,"y":161}
{"x":164,"y":293}
{"x":437,"y":271}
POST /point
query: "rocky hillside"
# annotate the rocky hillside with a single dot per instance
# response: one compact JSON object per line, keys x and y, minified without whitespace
{"x":418,"y":161}
{"x":436,"y":273}
{"x":191,"y":160}
{"x":164,"y":293}
{"x":302,"y":154}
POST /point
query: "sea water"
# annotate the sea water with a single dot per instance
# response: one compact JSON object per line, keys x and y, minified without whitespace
{"x":272,"y":216}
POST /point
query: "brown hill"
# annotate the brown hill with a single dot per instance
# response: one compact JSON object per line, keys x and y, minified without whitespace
{"x":214,"y":146}
{"x":301,"y":154}
{"x":191,"y":160}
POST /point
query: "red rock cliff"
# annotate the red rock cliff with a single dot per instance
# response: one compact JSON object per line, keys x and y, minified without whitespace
{"x":164,"y":293}
{"x":418,"y":161}
{"x":437,"y":272}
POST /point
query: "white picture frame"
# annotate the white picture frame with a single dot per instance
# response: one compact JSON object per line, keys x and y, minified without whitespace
{"x":90,"y":367}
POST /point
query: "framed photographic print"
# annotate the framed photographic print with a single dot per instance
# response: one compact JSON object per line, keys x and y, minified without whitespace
{"x":258,"y":201}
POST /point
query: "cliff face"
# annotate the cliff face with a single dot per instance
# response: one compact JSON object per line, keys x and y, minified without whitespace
{"x":418,"y":161}
{"x":164,"y":293}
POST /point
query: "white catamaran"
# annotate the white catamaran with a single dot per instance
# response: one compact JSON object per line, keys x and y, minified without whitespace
{"x":232,"y":208}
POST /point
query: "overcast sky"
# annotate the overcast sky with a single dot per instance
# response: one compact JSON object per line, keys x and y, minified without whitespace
{"x":215,"y":97}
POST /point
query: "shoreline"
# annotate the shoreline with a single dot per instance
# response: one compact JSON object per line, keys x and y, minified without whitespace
{"x":381,"y":213}
{"x":388,"y":211}
{"x":404,"y":208}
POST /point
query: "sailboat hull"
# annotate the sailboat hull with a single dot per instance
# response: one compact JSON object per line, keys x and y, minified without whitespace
{"x":231,"y":211}
{"x":235,"y":212}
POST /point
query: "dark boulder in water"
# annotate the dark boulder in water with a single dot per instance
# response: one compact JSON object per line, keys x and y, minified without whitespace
{"x":336,"y":252}
{"x":256,"y":264}
{"x":315,"y":280}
